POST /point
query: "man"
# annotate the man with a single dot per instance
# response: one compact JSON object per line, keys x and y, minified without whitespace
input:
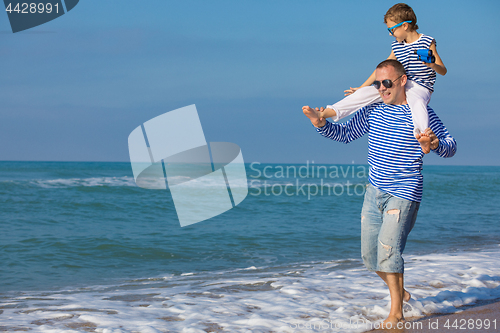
{"x":393,"y":196}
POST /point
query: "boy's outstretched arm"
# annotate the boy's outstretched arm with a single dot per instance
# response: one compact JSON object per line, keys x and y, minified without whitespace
{"x":369,"y":81}
{"x":438,"y":66}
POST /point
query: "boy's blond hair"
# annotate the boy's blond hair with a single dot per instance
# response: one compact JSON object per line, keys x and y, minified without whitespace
{"x":402,"y":12}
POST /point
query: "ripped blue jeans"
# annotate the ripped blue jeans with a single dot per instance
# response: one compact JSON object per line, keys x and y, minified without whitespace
{"x":386,"y":221}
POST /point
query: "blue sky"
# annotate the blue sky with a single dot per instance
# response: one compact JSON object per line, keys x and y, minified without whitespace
{"x":74,"y":88}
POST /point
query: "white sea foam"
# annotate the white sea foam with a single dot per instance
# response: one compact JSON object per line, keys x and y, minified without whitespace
{"x":308,"y":297}
{"x":124,"y":182}
{"x":87,"y":182}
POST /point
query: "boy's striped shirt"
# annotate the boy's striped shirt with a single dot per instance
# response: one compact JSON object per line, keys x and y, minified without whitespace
{"x":415,"y":69}
{"x":394,"y":155}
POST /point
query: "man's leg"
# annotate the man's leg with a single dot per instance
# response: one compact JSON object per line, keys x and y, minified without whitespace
{"x":399,"y":217}
{"x":395,"y":283}
{"x":406,"y":294}
{"x":371,"y":222}
{"x":386,"y":222}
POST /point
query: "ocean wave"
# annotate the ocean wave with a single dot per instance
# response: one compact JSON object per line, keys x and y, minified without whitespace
{"x":262,"y":298}
{"x":84,"y":182}
{"x":127,"y":181}
{"x":116,"y":182}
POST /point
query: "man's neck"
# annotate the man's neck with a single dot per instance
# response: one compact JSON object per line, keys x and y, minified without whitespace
{"x":403,"y":102}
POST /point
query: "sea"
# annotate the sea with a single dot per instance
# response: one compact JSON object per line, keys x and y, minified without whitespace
{"x":83,"y":249}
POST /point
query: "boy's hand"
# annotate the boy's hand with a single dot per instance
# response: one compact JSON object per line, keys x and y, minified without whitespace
{"x":349,"y":91}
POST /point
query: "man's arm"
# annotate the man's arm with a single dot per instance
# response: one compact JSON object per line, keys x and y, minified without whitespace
{"x":442,"y":143}
{"x":355,"y":128}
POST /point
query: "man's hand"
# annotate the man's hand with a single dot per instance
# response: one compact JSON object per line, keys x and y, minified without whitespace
{"x":434,"y":139}
{"x":349,"y":91}
{"x":314,"y":116}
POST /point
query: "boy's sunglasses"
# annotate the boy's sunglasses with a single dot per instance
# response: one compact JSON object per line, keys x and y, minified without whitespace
{"x":391,"y":29}
{"x":387,"y":83}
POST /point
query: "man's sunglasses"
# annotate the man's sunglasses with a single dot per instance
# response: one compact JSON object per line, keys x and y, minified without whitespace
{"x":387,"y":83}
{"x":391,"y":29}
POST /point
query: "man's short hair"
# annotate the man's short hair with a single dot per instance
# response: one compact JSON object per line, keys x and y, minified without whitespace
{"x":398,"y":67}
{"x":401,"y":12}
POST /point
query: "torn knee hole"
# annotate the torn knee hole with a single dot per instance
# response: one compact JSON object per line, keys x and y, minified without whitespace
{"x":386,"y":247}
{"x":393,"y":211}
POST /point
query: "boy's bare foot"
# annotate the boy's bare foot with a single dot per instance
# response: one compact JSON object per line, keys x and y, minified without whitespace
{"x":314,"y":116}
{"x":310,"y":113}
{"x":425,"y":142}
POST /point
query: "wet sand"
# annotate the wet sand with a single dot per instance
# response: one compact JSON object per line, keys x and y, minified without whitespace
{"x":471,"y":319}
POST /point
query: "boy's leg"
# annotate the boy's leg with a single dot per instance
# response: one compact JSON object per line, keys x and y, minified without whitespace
{"x":418,"y":97}
{"x":352,"y":103}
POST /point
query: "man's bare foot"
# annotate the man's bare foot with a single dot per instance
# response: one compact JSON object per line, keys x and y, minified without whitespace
{"x":406,"y":296}
{"x":425,"y":142}
{"x":392,"y":322}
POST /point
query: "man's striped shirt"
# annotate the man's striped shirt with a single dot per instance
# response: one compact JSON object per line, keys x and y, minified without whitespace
{"x":415,"y":69}
{"x":394,"y":154}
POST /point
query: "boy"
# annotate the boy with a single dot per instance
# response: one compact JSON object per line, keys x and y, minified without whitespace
{"x":401,"y":22}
